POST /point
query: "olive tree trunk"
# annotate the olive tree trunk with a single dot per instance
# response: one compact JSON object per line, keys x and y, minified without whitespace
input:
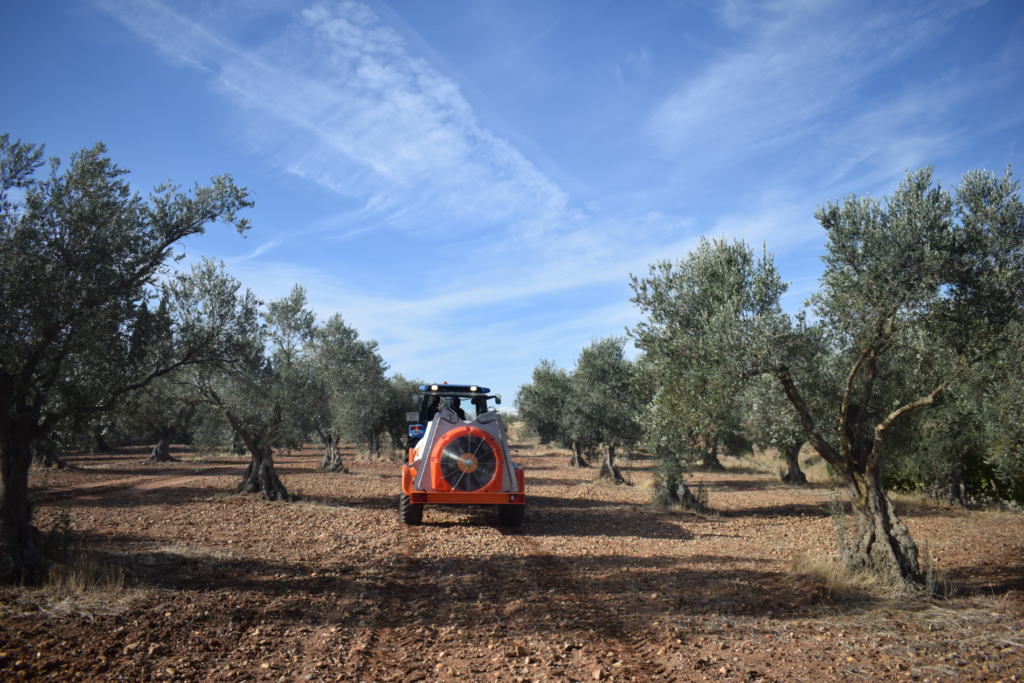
{"x":880,"y":541}
{"x":331,"y":461}
{"x":44,"y":454}
{"x":21,"y":554}
{"x":577,"y":459}
{"x":672,"y":491}
{"x":794,"y":474}
{"x":162,"y":449}
{"x":260,"y":476}
{"x":710,"y":460}
{"x":609,"y":470}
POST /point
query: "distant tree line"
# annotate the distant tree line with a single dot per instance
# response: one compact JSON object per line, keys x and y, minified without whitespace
{"x":904,"y":372}
{"x":98,"y":338}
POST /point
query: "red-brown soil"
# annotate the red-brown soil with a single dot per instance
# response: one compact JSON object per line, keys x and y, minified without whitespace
{"x":596,"y":586}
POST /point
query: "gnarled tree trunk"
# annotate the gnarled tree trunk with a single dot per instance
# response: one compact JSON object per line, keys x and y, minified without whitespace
{"x":331,"y":461}
{"x":880,"y":539}
{"x":21,"y":554}
{"x":675,"y":493}
{"x":260,"y":476}
{"x":794,"y":475}
{"x":44,"y":454}
{"x":577,"y":459}
{"x":609,"y":470}
{"x":162,"y":449}
{"x":681,"y":496}
{"x":710,"y":460}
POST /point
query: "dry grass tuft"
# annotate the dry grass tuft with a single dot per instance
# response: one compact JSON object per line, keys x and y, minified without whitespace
{"x":768,"y":462}
{"x":765,"y":462}
{"x":387,"y":453}
{"x":815,"y":468}
{"x":915,"y":501}
{"x":319,"y":504}
{"x":194,"y":552}
{"x":550,"y":450}
{"x":84,"y":573}
{"x":83,"y":587}
{"x":844,"y":584}
{"x":760,"y":463}
{"x":517,"y":432}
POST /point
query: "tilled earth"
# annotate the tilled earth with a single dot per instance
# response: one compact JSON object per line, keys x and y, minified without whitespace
{"x":596,"y":586}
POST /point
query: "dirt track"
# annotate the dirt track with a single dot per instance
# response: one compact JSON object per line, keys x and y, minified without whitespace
{"x":597,"y":585}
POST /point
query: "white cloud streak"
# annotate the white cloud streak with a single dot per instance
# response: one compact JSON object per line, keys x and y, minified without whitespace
{"x":363,"y":117}
{"x":803,"y":60}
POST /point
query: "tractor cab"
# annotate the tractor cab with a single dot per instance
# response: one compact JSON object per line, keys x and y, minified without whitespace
{"x":468,"y":402}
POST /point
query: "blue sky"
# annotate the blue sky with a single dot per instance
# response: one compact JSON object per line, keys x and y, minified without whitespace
{"x":471,"y":183}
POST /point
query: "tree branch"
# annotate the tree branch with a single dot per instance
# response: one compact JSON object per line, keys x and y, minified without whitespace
{"x":824,"y":449}
{"x":899,"y":412}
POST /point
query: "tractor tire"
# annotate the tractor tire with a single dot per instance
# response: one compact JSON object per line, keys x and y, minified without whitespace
{"x":409,"y":512}
{"x":511,"y":515}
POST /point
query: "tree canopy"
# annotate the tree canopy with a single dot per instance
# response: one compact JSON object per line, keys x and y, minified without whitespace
{"x":80,"y":257}
{"x":920,"y":291}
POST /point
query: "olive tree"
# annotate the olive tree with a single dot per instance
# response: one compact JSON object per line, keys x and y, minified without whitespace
{"x":545,"y":407}
{"x":918,"y":290}
{"x":604,"y":406}
{"x":770,"y":422}
{"x":941,"y":273}
{"x":709,"y":316}
{"x":164,"y":409}
{"x":1004,"y":446}
{"x":371,"y":412}
{"x":768,"y":417}
{"x":261,"y":392}
{"x":79,"y":256}
{"x":336,"y":357}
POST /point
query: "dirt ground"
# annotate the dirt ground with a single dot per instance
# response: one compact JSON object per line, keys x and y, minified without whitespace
{"x":596,"y":586}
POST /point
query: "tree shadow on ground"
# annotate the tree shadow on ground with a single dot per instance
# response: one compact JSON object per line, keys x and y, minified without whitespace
{"x":775,"y":511}
{"x":594,"y":591}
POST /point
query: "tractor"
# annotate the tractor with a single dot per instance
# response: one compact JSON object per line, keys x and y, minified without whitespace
{"x":459,"y":458}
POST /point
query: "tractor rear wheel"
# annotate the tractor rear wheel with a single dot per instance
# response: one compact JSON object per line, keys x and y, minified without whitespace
{"x":409,"y":512}
{"x":511,"y":515}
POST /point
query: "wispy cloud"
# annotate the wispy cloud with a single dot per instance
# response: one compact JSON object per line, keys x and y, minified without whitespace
{"x":341,"y":100}
{"x":262,"y":249}
{"x":338,"y":98}
{"x":798,"y":62}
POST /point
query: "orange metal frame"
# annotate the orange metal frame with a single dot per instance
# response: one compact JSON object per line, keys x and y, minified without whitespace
{"x":459,"y":498}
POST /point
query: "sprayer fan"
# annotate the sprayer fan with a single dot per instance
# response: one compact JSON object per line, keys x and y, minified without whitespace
{"x":468,"y":463}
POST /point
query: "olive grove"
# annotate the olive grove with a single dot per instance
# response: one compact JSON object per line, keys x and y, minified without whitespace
{"x":920,"y":297}
{"x":80,"y":256}
{"x":593,"y":407}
